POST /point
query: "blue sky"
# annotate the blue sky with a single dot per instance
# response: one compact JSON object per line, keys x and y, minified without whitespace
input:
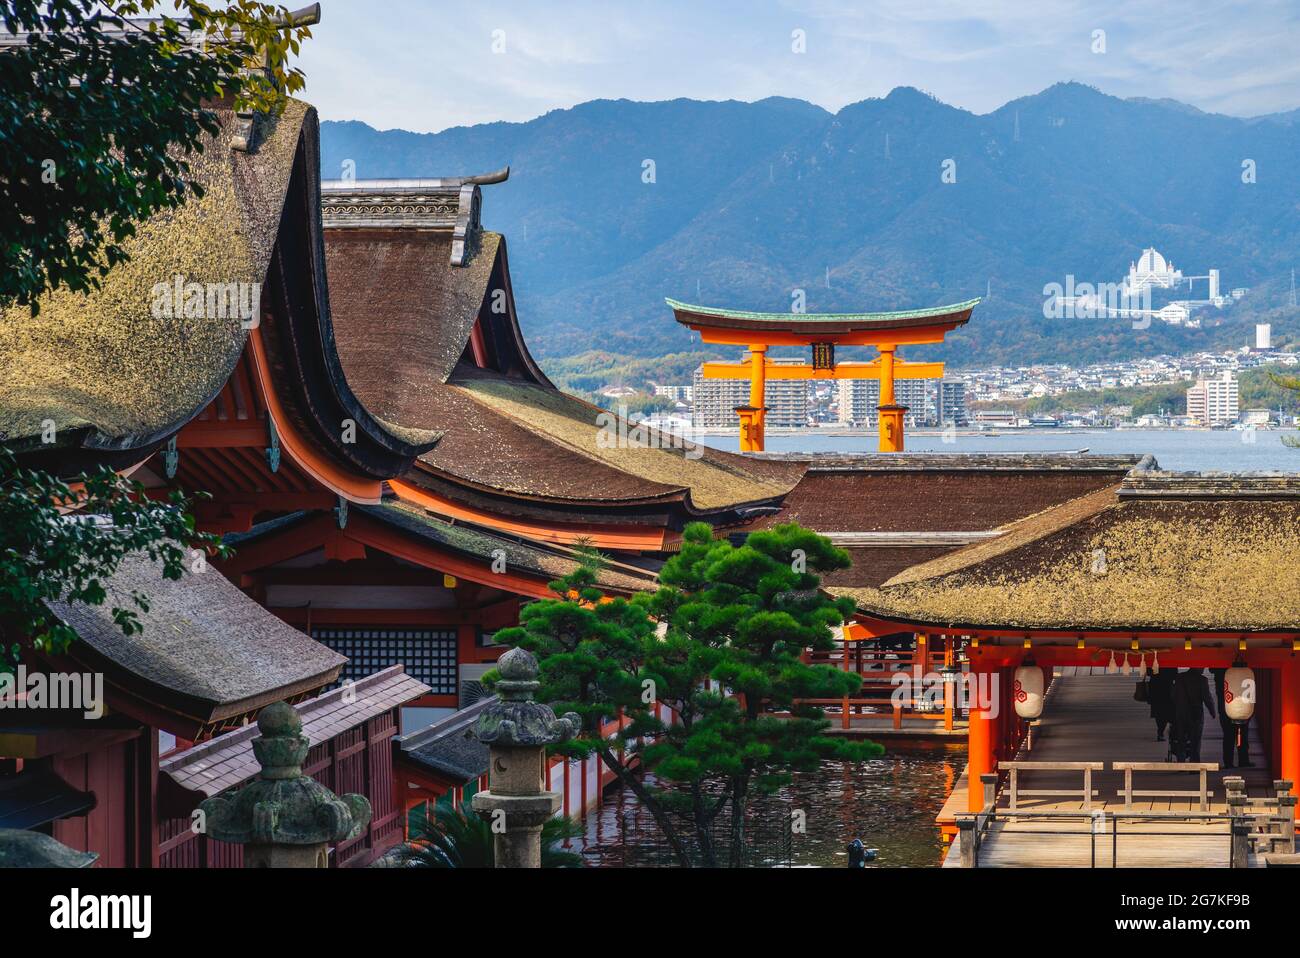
{"x":425,"y":65}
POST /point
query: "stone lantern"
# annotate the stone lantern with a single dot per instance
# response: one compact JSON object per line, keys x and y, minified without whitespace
{"x":517,"y":731}
{"x":283,"y":818}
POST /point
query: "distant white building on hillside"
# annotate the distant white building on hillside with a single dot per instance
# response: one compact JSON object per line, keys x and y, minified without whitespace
{"x":1152,"y":270}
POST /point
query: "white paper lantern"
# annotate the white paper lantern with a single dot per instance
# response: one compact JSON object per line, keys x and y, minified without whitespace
{"x":1027,"y":691}
{"x":1239,"y":693}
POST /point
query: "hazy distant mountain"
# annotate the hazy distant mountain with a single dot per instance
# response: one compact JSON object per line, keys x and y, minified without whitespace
{"x":752,"y":200}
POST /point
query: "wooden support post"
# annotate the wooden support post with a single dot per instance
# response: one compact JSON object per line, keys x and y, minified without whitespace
{"x":979,"y":736}
{"x":753,"y":425}
{"x":844,"y":641}
{"x":890,"y":414}
{"x":1014,"y":785}
{"x":1286,"y":810}
{"x":948,"y":661}
{"x":967,"y":831}
{"x":1087,"y":789}
{"x":1289,"y":735}
{"x":1240,"y":824}
{"x":990,"y":783}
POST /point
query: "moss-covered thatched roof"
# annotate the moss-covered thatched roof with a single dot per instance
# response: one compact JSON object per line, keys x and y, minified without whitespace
{"x":1160,"y":553}
{"x":207,"y":651}
{"x":102,"y":365}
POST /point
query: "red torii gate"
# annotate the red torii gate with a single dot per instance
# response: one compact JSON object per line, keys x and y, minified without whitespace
{"x":823,"y":332}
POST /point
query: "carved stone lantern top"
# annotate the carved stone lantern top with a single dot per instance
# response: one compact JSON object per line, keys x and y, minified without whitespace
{"x":514,"y":720}
{"x":282,"y":806}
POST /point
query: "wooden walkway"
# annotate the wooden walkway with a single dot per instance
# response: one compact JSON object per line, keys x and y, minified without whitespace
{"x":1090,"y":716}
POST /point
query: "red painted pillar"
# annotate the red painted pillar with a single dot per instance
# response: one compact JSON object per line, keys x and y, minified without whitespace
{"x":982,"y":730}
{"x":1289,"y":693}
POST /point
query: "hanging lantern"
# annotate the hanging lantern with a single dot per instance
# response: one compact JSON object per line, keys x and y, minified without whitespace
{"x":1155,"y":663}
{"x":1027,"y":689}
{"x":1142,"y":666}
{"x":1239,"y":692}
{"x":1111,"y":667}
{"x":1125,"y":668}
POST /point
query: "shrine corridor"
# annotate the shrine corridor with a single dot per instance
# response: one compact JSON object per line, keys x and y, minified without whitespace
{"x":1090,"y":716}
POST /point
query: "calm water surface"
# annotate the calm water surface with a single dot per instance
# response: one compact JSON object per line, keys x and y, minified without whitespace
{"x":1194,"y":450}
{"x":890,"y":803}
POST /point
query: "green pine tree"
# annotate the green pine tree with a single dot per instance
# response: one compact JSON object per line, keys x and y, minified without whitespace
{"x":721,"y":644}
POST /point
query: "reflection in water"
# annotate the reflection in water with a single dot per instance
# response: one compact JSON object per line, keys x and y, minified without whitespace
{"x":890,"y":803}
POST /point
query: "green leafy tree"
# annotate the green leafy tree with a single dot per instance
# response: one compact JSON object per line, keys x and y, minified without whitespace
{"x":99,"y":114}
{"x":721,"y":643}
{"x":50,"y":552}
{"x":461,"y":838}
{"x":1292,"y":384}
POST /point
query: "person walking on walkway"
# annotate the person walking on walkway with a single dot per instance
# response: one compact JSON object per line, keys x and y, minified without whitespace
{"x":1191,"y":693}
{"x":1230,"y":729}
{"x":1160,"y":696}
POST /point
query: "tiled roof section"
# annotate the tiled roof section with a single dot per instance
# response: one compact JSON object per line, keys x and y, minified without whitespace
{"x":828,"y":323}
{"x":873,"y":567}
{"x":101,"y":365}
{"x":1218,"y":561}
{"x":940,"y":497}
{"x":228,"y":761}
{"x":449,"y":748}
{"x":521,"y":554}
{"x":205,"y":647}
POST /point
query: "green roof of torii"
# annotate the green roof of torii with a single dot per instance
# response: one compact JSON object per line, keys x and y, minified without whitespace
{"x":739,"y":318}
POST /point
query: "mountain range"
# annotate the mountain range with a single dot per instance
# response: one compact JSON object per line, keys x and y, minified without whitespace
{"x":890,"y":203}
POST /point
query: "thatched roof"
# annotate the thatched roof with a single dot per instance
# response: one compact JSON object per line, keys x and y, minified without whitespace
{"x":526,"y":555}
{"x":1158,"y":553}
{"x":585,"y":436}
{"x":101,"y":366}
{"x":208,"y":653}
{"x":405,"y":315}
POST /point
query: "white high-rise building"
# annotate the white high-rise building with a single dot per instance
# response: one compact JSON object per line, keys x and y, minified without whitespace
{"x":1264,"y":336}
{"x":714,"y":401}
{"x":1214,"y":400}
{"x":859,"y":401}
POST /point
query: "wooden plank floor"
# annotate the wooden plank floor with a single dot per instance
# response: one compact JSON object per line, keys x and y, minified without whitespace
{"x":1090,"y":716}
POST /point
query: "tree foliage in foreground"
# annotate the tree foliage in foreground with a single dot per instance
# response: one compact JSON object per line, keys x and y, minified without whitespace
{"x":720,"y":644}
{"x":461,"y":838}
{"x":99,"y":116}
{"x":49,"y":554}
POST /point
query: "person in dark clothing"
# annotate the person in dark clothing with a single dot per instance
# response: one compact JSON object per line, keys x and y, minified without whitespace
{"x":1191,"y":693}
{"x":1160,"y":696}
{"x":1231,"y":728}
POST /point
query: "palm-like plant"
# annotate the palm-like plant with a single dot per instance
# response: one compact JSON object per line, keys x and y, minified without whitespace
{"x":461,"y":838}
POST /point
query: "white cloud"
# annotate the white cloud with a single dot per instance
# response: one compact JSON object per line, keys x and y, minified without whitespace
{"x":417,"y":67}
